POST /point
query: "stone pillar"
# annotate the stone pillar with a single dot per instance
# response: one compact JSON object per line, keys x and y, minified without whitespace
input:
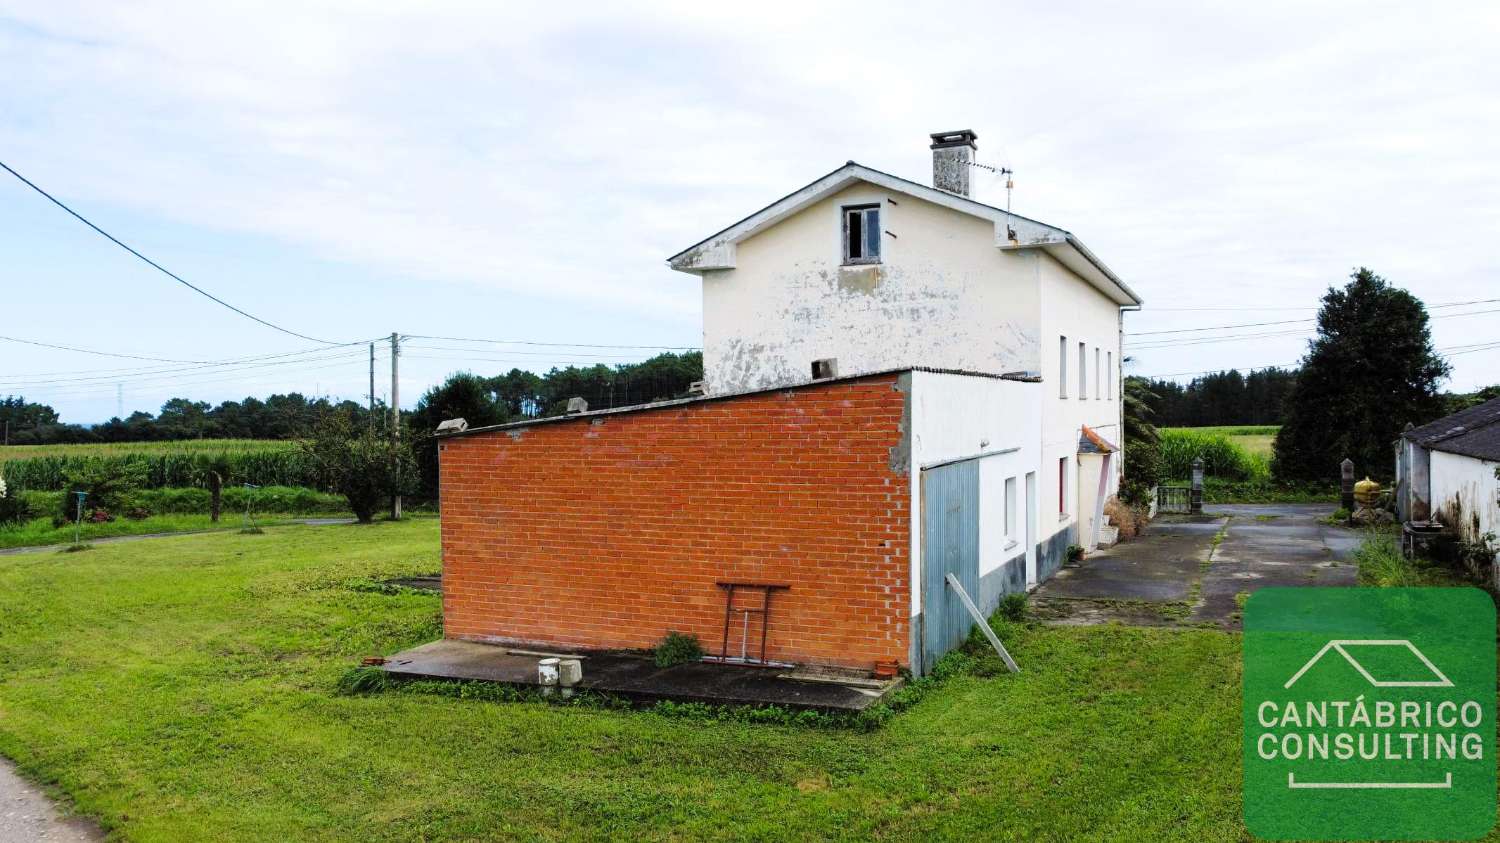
{"x":1346,"y":484}
{"x":1195,"y":495}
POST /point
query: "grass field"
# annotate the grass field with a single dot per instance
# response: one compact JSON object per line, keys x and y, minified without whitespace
{"x":182,"y":689}
{"x":26,"y":452}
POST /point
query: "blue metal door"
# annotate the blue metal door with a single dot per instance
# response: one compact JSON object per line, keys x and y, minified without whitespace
{"x":950,"y":544}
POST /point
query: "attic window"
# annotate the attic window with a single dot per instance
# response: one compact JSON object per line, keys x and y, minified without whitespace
{"x":862,"y":234}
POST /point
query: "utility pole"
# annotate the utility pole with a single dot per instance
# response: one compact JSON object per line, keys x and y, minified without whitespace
{"x":372,"y":386}
{"x":395,"y":412}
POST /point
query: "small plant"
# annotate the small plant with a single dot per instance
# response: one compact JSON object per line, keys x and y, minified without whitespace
{"x":1074,"y":554}
{"x":1013,"y":606}
{"x":75,"y":548}
{"x":678,"y":648}
{"x":1381,"y":563}
{"x":363,"y":680}
{"x":251,"y":531}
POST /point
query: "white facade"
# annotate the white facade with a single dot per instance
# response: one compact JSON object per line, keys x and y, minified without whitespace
{"x":1465,"y":493}
{"x":956,"y":286}
{"x":998,"y":423}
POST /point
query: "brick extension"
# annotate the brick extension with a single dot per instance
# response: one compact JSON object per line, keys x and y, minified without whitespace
{"x":608,"y":531}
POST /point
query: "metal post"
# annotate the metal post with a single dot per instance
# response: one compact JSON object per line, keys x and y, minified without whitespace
{"x":395,"y":413}
{"x":1346,"y":484}
{"x":248,"y":488}
{"x":1195,"y":495}
{"x":78,"y":518}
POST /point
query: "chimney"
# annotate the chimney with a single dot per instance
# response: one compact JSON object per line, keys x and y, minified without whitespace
{"x":952,"y":152}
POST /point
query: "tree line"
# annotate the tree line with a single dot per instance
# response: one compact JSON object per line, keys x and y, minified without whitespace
{"x":1221,"y":398}
{"x":514,"y":394}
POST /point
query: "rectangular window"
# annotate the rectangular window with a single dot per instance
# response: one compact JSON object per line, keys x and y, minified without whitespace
{"x":1098,"y":370}
{"x":1062,"y":367}
{"x":1010,"y":511}
{"x":1062,"y":487}
{"x":1109,"y":375}
{"x":1083,"y":371}
{"x":862,"y":234}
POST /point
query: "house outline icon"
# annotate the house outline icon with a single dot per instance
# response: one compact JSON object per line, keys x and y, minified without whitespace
{"x":1339,"y":645}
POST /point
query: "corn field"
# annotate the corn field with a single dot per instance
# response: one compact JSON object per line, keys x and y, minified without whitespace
{"x":1221,"y":456}
{"x":167,"y":467}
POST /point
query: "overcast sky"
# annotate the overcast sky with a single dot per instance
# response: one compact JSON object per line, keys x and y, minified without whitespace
{"x":352,"y":169}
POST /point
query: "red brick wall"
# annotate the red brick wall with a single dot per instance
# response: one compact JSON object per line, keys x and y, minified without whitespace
{"x":607,"y":532}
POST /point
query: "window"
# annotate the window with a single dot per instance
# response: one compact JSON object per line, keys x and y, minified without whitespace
{"x":1097,"y":370}
{"x":1062,"y":367}
{"x":862,"y":234}
{"x":1083,"y":371}
{"x":1109,"y":375}
{"x":1062,"y":488}
{"x":1010,"y":512}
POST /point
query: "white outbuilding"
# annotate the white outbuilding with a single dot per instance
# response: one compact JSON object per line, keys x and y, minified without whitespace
{"x":1446,"y":470}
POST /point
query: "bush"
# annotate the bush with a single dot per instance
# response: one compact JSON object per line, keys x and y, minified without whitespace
{"x":14,"y":508}
{"x":1142,"y":472}
{"x":1382,"y":564}
{"x":678,"y":648}
{"x":108,"y":485}
{"x":1013,"y":606}
{"x":1074,"y":553}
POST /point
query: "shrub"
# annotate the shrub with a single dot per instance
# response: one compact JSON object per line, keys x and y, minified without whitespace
{"x":1013,"y":606}
{"x":678,"y":648}
{"x":1074,"y":553}
{"x":1382,"y":564}
{"x":109,"y":486}
{"x":14,"y":507}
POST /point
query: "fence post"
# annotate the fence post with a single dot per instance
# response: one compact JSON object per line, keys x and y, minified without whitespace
{"x":1346,"y":484}
{"x":1195,"y":496}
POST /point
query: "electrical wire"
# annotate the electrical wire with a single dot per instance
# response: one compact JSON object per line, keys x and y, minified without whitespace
{"x":174,"y":276}
{"x":125,"y":373}
{"x":554,"y":344}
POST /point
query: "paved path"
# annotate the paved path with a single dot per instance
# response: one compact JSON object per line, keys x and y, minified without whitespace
{"x":1198,"y":570}
{"x":27,"y":815}
{"x":42,"y":548}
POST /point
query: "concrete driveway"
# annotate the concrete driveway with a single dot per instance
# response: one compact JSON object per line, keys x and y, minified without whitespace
{"x":1197,"y":570}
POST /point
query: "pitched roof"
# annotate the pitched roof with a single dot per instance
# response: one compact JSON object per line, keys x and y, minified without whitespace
{"x":1474,"y":432}
{"x":717,"y":251}
{"x":1090,"y":442}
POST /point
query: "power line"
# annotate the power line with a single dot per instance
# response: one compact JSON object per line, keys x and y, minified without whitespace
{"x":104,"y":374}
{"x":555,"y":344}
{"x":175,"y":277}
{"x":1298,"y":321}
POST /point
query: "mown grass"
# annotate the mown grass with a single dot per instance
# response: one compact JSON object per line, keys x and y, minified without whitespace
{"x":113,"y":449}
{"x":184,"y":689}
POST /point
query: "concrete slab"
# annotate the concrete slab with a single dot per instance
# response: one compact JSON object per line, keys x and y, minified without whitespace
{"x":1175,"y":573}
{"x":638,"y":678}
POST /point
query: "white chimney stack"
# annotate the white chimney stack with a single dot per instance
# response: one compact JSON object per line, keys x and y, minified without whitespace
{"x":952,"y":153}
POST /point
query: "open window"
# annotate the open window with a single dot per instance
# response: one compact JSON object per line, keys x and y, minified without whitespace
{"x":861,"y":234}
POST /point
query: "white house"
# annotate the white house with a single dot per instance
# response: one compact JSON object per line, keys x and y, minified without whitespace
{"x":1446,"y":469}
{"x":862,"y":271}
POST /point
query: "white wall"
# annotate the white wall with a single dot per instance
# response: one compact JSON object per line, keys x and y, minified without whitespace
{"x":942,"y":297}
{"x":1072,"y":308}
{"x":1467,"y":487}
{"x":958,"y":416}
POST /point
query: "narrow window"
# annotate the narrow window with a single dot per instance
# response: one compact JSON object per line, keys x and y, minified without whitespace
{"x":1062,"y":487}
{"x":862,"y":234}
{"x":1109,"y":376}
{"x":1083,"y":371}
{"x":1062,"y":367}
{"x":1097,"y":374}
{"x":1010,"y":511}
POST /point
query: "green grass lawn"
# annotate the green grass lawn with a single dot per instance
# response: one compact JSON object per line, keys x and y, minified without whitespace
{"x":182,"y":689}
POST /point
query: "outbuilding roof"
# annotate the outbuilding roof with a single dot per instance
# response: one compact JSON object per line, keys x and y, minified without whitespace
{"x":1474,"y":432}
{"x":717,"y":251}
{"x":1024,"y":377}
